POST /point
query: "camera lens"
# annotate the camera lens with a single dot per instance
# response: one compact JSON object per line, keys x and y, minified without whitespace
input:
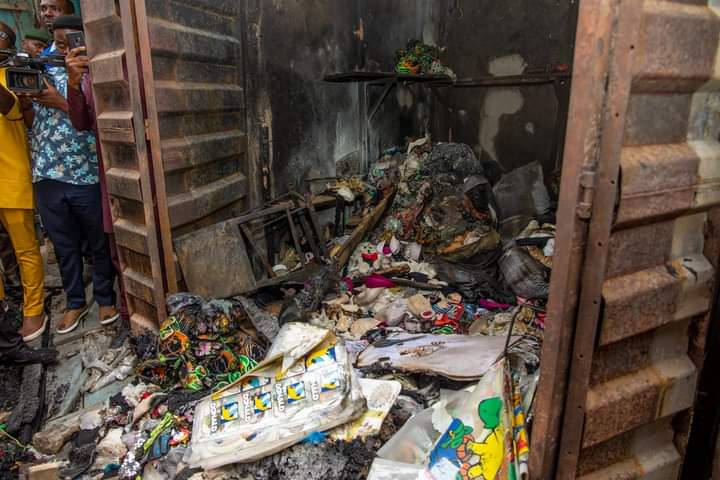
{"x":22,"y":81}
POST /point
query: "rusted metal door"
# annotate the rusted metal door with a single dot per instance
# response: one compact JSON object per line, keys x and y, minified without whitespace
{"x":110,"y":33}
{"x":633,"y":279}
{"x":169,"y":81}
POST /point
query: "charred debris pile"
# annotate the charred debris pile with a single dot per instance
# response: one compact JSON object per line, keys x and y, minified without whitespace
{"x":382,"y":327}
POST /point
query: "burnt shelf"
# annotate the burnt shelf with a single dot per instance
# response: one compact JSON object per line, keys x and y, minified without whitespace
{"x":382,"y":77}
{"x":444,"y":80}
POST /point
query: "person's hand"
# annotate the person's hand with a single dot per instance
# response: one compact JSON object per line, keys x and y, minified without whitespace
{"x":26,"y":101}
{"x":7,"y":100}
{"x":76,"y":63}
{"x":51,"y":97}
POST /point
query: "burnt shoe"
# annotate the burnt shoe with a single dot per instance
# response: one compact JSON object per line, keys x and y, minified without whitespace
{"x":108,"y":314}
{"x":33,"y":327}
{"x":71,"y":320}
{"x":26,"y":356}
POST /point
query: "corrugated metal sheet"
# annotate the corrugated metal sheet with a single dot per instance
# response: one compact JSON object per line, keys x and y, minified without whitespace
{"x":110,"y":36}
{"x":659,"y":274}
{"x":169,"y":82}
{"x":191,"y":51}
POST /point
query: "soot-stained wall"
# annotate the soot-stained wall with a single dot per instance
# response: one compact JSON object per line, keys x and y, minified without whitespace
{"x":304,"y":124}
{"x":387,"y":26}
{"x":508,"y":126}
{"x":307,"y":126}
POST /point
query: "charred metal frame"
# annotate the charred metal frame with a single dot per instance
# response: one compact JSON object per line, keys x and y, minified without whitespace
{"x":625,"y":16}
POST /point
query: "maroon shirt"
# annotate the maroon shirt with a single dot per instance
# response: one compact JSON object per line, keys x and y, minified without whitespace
{"x":81,"y":109}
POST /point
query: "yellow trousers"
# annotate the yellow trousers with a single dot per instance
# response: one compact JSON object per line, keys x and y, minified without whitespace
{"x":20,"y":225}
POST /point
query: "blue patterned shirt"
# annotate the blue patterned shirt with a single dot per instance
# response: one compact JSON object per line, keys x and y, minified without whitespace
{"x":60,"y":152}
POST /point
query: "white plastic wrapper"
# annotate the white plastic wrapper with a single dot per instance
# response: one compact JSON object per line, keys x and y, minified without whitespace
{"x":380,"y":396}
{"x":274,"y":407}
{"x":383,"y":469}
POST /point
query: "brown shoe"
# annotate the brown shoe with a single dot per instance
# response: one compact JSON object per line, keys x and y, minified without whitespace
{"x":108,"y":314}
{"x":33,"y":327}
{"x":71,"y":319}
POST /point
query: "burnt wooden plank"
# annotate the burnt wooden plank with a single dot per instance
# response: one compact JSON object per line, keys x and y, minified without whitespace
{"x":108,"y":67}
{"x":116,"y":127}
{"x":138,"y":285}
{"x":124,"y":183}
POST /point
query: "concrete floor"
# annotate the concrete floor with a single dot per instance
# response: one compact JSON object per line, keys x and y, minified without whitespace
{"x":65,"y":379}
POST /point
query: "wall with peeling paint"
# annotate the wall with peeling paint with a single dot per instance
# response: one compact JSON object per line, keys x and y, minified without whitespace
{"x":509,"y":127}
{"x":311,"y":126}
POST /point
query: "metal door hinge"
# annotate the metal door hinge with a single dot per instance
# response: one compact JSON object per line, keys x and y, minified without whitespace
{"x":587,"y":194}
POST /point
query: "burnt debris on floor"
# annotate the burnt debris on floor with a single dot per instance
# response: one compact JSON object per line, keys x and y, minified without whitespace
{"x":388,"y":326}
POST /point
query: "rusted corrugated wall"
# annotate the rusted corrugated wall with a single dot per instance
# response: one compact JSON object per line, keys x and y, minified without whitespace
{"x":650,"y":265}
{"x":169,"y":83}
{"x":192,"y":61}
{"x":120,"y":118}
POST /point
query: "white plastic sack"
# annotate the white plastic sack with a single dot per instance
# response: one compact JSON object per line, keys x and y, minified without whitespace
{"x":271,"y":408}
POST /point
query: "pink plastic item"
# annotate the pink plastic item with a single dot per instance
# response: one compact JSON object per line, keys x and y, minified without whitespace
{"x":493,"y":305}
{"x":378,"y":281}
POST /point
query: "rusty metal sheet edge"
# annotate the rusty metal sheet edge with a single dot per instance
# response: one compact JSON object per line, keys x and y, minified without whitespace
{"x":153,"y":132}
{"x":127,"y":14}
{"x":581,"y":142}
{"x":626,"y":17}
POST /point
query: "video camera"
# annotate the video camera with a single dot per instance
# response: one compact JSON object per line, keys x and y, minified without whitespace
{"x":25,"y":73}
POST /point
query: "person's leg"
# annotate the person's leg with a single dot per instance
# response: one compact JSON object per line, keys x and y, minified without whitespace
{"x":8,"y":259}
{"x":66,"y":234}
{"x":20,"y":224}
{"x":10,"y":340}
{"x":87,"y":210}
{"x":13,"y":349}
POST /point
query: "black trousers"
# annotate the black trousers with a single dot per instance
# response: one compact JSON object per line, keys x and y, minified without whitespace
{"x":10,"y":339}
{"x":11,"y":270}
{"x":72,"y":215}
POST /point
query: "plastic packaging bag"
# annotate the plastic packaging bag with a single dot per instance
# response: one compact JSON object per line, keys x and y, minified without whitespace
{"x":522,"y":192}
{"x":478,"y":443}
{"x":465,"y":436}
{"x":380,"y":396}
{"x":525,"y":276}
{"x":306,"y":385}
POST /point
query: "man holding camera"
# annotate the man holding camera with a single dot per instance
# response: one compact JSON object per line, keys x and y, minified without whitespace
{"x":67,"y":186}
{"x":16,"y":215}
